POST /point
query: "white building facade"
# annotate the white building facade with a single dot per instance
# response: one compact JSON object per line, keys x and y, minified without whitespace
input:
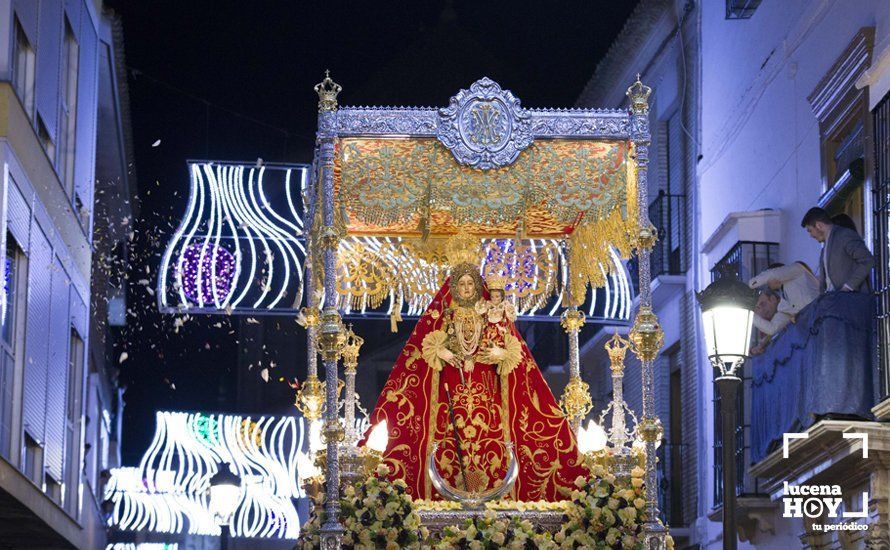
{"x":760,"y":110}
{"x":58,"y":75}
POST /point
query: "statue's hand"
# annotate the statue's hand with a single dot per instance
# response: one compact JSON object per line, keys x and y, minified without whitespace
{"x":446,"y":355}
{"x":468,"y":366}
{"x":494,"y":355}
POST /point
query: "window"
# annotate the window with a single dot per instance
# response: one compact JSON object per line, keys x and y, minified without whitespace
{"x":13,"y":257}
{"x":741,"y":9}
{"x":24,"y":61}
{"x":68,"y":125}
{"x":72,"y":437}
{"x":675,"y":449}
{"x":33,"y":459}
{"x":83,"y":213}
{"x":844,"y":129}
{"x":45,"y":140}
{"x":104,"y":425}
{"x":53,"y":489}
{"x":10,"y":316}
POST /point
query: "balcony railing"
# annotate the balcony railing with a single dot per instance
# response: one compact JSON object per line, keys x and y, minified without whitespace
{"x":746,"y":259}
{"x":882,"y":244}
{"x":668,"y":214}
{"x":741,"y":9}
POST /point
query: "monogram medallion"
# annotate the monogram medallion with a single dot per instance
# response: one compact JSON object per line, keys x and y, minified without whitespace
{"x":485,"y":126}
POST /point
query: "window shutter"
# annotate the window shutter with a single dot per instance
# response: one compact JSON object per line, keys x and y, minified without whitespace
{"x":26,"y":11}
{"x":48,"y":60}
{"x":18,"y":216}
{"x":87,"y":99}
{"x":57,"y":377}
{"x":40,"y":261}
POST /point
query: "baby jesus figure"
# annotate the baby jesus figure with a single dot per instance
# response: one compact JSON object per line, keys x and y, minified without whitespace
{"x":499,"y":314}
{"x":498,"y":307}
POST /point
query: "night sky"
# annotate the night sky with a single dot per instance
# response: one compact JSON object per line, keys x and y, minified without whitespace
{"x":228,"y":80}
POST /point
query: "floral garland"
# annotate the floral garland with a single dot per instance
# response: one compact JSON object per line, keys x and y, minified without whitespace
{"x":606,"y":513}
{"x":375,"y":513}
{"x":489,"y":532}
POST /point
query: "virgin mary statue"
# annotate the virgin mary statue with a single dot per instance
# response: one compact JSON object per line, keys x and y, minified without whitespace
{"x":465,"y":387}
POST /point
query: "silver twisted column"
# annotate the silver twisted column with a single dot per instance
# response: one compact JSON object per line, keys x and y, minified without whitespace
{"x":646,"y":334}
{"x":331,"y":335}
{"x":576,"y":402}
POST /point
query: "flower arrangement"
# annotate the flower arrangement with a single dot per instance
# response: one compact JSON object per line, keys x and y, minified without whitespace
{"x":375,"y":513}
{"x":488,"y":532}
{"x":606,"y":512}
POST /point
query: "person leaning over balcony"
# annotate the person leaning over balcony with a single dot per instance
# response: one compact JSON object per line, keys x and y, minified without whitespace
{"x":845,"y":262}
{"x":766,"y":311}
{"x":792,"y":288}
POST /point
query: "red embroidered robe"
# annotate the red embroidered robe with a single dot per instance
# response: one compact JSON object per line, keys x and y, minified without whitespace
{"x":490,"y":408}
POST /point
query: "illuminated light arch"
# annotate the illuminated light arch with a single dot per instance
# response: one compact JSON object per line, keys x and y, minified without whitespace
{"x":388,"y":274}
{"x":240,"y":249}
{"x":167,"y":492}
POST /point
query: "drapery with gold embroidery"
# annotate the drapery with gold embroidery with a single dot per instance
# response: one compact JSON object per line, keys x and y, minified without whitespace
{"x":489,"y":409}
{"x":398,"y":200}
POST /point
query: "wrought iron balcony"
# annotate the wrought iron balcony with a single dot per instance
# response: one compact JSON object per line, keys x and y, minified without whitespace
{"x":668,"y":214}
{"x":746,"y":259}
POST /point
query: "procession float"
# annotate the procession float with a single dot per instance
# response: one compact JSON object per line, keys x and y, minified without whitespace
{"x":464,"y":218}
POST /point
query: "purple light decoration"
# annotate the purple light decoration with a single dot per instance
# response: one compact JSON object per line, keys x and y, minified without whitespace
{"x":223,"y":276}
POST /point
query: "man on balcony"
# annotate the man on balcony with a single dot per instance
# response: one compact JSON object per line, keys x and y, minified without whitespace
{"x":790,"y":289}
{"x":845,"y":262}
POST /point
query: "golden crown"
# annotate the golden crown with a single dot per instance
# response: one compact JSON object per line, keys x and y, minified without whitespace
{"x":496,"y":282}
{"x":327,"y":91}
{"x":463,"y":248}
{"x":617,"y":347}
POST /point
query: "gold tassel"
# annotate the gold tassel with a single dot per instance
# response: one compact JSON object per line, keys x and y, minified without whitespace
{"x":394,"y":319}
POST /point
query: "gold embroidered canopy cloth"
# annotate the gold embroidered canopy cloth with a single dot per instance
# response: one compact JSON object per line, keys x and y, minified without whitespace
{"x":550,"y":192}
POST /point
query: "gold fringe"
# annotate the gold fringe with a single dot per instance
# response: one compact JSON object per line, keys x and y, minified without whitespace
{"x":592,"y":240}
{"x":411,"y":271}
{"x":394,"y":319}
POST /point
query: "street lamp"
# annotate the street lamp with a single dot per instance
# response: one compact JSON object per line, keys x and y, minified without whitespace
{"x":225,"y":495}
{"x":727,"y":311}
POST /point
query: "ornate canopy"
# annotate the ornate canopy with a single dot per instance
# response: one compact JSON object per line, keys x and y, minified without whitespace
{"x":390,"y":185}
{"x":546,"y":189}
